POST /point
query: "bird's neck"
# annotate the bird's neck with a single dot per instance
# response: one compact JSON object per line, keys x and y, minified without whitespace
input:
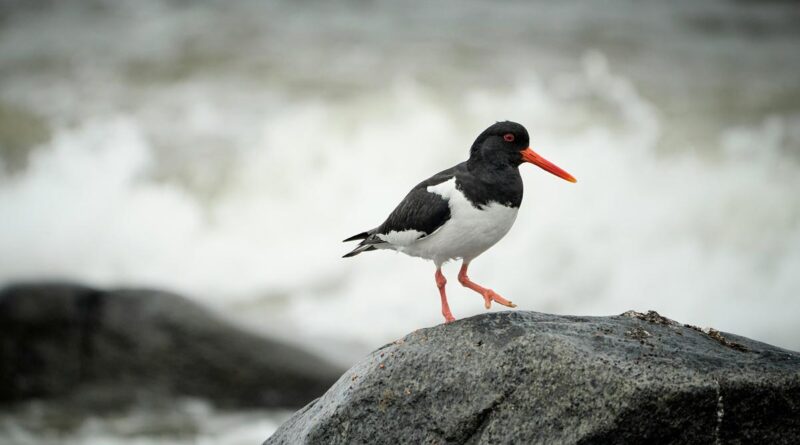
{"x":486,"y":183}
{"x":491,"y":171}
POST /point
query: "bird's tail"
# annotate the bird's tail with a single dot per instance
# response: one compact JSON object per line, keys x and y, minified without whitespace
{"x":362,"y":235}
{"x":363,"y":246}
{"x":359,"y":249}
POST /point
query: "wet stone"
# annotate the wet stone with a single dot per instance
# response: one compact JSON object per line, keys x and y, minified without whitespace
{"x":526,"y":377}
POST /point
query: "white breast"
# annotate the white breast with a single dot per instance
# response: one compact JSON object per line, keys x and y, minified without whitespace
{"x":468,"y":232}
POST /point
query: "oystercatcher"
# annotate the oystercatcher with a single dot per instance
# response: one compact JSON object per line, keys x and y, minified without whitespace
{"x":461,"y":212}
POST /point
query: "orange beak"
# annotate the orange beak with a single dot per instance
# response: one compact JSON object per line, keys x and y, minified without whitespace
{"x":529,"y":155}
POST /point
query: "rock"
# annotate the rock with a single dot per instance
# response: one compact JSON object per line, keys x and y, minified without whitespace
{"x":524,"y":377}
{"x":108,"y":349}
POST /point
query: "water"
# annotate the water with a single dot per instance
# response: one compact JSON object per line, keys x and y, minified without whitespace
{"x":188,"y":422}
{"x":223,"y":150}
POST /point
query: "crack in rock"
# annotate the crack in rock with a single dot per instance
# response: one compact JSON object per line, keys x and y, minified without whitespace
{"x":720,"y":413}
{"x":480,"y":421}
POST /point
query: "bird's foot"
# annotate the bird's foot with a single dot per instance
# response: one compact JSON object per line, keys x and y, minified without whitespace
{"x":490,"y":295}
{"x":448,"y":318}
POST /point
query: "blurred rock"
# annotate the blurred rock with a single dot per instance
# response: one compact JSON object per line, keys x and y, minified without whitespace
{"x":524,"y":377}
{"x":110,"y":349}
{"x":20,"y":131}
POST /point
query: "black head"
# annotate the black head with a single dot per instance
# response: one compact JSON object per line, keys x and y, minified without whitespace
{"x":500,"y":144}
{"x":505,"y":145}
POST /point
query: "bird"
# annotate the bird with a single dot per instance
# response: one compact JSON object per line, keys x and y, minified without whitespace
{"x":459,"y":213}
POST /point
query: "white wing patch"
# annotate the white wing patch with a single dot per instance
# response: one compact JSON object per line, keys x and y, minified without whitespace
{"x":444,"y":189}
{"x":401,"y":238}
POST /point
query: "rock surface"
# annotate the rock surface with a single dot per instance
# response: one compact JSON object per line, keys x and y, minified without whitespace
{"x":524,"y":377}
{"x":109,"y":349}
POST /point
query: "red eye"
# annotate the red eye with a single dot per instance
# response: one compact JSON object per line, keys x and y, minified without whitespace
{"x":508,"y":137}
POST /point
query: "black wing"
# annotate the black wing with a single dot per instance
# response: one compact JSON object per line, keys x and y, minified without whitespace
{"x":420,"y":210}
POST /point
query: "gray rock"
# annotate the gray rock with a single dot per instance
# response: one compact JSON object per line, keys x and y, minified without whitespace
{"x":524,"y":377}
{"x":110,"y":349}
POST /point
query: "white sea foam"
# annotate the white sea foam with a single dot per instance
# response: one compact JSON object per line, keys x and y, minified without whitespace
{"x":188,"y":422}
{"x":705,"y":240}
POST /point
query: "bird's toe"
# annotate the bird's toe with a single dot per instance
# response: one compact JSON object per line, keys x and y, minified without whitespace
{"x":494,"y":296}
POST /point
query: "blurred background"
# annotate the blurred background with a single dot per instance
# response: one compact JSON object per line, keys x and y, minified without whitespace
{"x":222,"y":149}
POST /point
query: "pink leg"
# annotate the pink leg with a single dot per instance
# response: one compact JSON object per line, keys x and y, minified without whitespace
{"x":488,"y":294}
{"x":440,"y":283}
